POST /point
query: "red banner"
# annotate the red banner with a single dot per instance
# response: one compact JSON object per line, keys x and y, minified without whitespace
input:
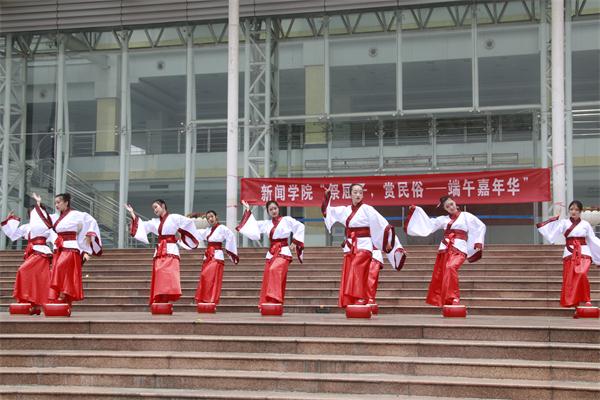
{"x":486,"y":187}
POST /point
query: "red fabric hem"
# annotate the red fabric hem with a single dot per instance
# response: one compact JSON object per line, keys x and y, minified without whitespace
{"x":245,"y":218}
{"x":185,"y":235}
{"x":134,"y":226}
{"x":475,"y":257}
{"x":9,"y":218}
{"x":43,"y":213}
{"x":411,"y":211}
{"x":325,"y":203}
{"x":539,"y":225}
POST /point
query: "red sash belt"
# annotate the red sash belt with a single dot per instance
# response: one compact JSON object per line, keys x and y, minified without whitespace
{"x":39,"y":240}
{"x":62,"y":236}
{"x":574,"y":246}
{"x":352,"y":235}
{"x":450,"y":235}
{"x":276,"y":246}
{"x":163,"y":240}
{"x":210,"y":249}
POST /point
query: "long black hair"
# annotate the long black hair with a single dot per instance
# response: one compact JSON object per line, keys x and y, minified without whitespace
{"x":443,"y":200}
{"x":66,"y":197}
{"x":162,"y":203}
{"x":576,"y":203}
{"x":271,"y":202}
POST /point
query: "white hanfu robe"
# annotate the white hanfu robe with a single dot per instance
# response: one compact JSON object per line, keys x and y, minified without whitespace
{"x":463,"y":239}
{"x":365,"y":228}
{"x":211,"y":275}
{"x":278,"y":256}
{"x":32,"y":282}
{"x":166,"y":282}
{"x":582,"y":248}
{"x":73,"y":230}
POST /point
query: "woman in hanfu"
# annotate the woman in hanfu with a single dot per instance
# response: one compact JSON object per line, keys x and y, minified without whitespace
{"x":366,"y":228}
{"x":463,"y":240}
{"x":32,"y":282}
{"x":165,"y":286}
{"x":77,"y":239}
{"x":220,"y":239}
{"x":582,"y":249}
{"x":279,"y":255}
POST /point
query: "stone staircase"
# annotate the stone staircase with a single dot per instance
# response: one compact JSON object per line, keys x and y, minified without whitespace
{"x":517,"y":343}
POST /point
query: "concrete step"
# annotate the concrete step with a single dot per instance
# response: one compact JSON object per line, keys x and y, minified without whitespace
{"x":355,"y":364}
{"x":313,"y":345}
{"x":331,"y":300}
{"x":306,"y":382}
{"x":48,"y":392}
{"x":510,"y":328}
{"x":330,"y":308}
{"x":319,"y":292}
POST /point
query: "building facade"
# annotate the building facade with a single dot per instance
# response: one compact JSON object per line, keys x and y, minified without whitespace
{"x":128,"y":99}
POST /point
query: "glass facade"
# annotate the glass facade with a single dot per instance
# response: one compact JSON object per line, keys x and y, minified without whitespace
{"x":421,"y":90}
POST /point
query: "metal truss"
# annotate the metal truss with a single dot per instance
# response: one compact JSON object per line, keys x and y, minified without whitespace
{"x":12,"y":130}
{"x":261,"y":100}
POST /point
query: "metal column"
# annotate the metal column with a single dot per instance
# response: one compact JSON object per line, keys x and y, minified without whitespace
{"x":190,"y":127}
{"x":545,"y":85}
{"x":233,"y":62}
{"x":124,"y":137}
{"x":59,"y":149}
{"x":399,"y":93}
{"x":6,"y":131}
{"x":568,"y":103}
{"x":558,"y":107}
{"x":474,"y":60}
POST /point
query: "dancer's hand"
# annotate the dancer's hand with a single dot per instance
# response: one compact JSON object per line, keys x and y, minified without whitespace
{"x":246,"y":205}
{"x":37,"y":198}
{"x":388,"y":247}
{"x":293,"y":247}
{"x":86,"y":257}
{"x":11,"y":214}
{"x":129,"y":208}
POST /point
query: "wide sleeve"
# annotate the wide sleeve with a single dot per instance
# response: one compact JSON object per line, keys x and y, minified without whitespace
{"x":552,"y":230}
{"x":418,"y":223}
{"x":476,"y":238}
{"x":297,"y":229}
{"x":231,"y":246}
{"x":382,"y":233}
{"x":187,"y":231}
{"x":594,"y":244}
{"x":249,"y":226}
{"x":397,"y":256}
{"x":139,"y":229}
{"x":89,"y":231}
{"x":13,"y":229}
{"x":332,"y":214}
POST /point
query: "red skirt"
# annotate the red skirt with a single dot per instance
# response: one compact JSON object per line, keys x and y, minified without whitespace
{"x":274,"y":280}
{"x":373,"y":280}
{"x":443,"y":288}
{"x":66,"y":276}
{"x":211,"y":281}
{"x":575,"y":285}
{"x":355,"y":275}
{"x":33,"y":280}
{"x":166,"y":285}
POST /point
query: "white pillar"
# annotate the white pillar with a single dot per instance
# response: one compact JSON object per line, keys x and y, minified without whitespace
{"x":190,"y":127}
{"x":59,"y":186}
{"x":232,"y":112}
{"x":558,"y":107}
{"x":123,"y":139}
{"x":568,"y":103}
{"x":6,"y":129}
{"x":544,"y":110}
{"x":399,"y":99}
